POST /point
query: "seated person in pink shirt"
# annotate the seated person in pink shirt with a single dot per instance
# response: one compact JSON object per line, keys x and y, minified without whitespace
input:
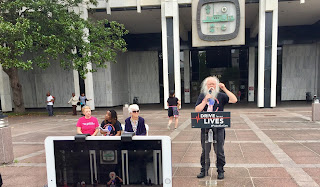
{"x":87,"y":124}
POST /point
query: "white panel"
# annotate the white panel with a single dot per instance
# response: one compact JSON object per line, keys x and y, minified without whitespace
{"x":186,"y":71}
{"x":251,"y":74}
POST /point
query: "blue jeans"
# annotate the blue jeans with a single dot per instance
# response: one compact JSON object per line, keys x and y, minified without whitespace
{"x":50,"y":110}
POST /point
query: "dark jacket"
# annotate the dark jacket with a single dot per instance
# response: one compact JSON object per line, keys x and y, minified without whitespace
{"x":141,"y":128}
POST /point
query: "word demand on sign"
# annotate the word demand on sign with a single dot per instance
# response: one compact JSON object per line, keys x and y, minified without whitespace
{"x":210,"y":119}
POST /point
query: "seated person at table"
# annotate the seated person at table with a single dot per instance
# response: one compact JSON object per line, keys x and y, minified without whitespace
{"x":110,"y":126}
{"x":135,"y":123}
{"x":87,"y":124}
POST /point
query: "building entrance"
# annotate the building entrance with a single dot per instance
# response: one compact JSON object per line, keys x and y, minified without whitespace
{"x":229,"y":64}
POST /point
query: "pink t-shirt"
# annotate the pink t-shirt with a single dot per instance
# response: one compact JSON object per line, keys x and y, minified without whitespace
{"x":88,"y":126}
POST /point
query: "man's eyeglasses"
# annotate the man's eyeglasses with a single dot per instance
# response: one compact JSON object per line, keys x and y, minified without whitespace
{"x":135,"y":111}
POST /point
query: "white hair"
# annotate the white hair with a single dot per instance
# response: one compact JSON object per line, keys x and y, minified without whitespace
{"x":133,"y":107}
{"x":114,"y":175}
{"x":205,"y":89}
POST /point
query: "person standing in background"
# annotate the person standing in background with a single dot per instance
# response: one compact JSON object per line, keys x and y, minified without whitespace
{"x":83,"y":100}
{"x":50,"y":101}
{"x":74,"y":100}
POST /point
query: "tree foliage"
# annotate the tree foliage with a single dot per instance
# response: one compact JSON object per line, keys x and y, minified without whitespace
{"x":36,"y":32}
{"x":40,"y":32}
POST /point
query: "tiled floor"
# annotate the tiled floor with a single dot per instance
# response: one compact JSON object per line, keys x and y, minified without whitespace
{"x":263,"y":147}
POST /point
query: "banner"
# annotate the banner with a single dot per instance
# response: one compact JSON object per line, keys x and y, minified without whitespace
{"x":210,"y":119}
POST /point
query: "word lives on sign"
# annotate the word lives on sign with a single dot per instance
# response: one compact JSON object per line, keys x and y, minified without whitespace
{"x":218,"y":22}
{"x":210,"y":119}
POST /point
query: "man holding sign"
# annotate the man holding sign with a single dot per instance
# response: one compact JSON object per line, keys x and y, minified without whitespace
{"x":212,"y":100}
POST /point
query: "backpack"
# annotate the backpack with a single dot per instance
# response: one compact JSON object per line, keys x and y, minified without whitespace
{"x":53,"y":99}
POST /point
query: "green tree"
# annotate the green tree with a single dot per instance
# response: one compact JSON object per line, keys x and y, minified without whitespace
{"x":37,"y":32}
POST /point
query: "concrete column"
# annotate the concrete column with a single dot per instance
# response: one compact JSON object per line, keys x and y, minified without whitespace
{"x":267,"y":58}
{"x":5,"y":91}
{"x":318,"y":71}
{"x":89,"y":79}
{"x":164,"y":55}
{"x":170,"y":48}
{"x":186,"y":64}
{"x":261,"y":44}
{"x":176,"y":45}
{"x":251,"y":74}
{"x":274,"y":60}
{"x":76,"y":86}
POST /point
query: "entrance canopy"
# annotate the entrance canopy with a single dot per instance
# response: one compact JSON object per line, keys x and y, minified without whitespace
{"x":291,"y":13}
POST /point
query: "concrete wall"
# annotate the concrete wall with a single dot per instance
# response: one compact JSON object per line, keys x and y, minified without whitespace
{"x":143,"y":76}
{"x":119,"y":73}
{"x":136,"y":74}
{"x":102,"y":86}
{"x":37,"y":82}
{"x":299,"y":71}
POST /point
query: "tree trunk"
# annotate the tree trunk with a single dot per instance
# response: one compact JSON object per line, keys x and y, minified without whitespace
{"x":16,"y":89}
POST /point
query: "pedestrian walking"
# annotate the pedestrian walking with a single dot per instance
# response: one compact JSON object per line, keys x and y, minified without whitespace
{"x":173,"y":111}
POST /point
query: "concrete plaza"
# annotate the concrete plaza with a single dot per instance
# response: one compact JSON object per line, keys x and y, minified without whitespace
{"x":263,"y":147}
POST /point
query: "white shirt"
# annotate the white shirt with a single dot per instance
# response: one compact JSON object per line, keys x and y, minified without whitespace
{"x":74,"y":100}
{"x":49,"y":98}
{"x":134,"y":124}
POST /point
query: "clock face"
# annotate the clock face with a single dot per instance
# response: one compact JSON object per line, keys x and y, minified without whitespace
{"x":218,"y":18}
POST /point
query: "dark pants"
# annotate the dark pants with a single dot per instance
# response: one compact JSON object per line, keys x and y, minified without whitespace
{"x":219,"y":136}
{"x":74,"y":109}
{"x":50,"y":110}
{"x":82,"y":105}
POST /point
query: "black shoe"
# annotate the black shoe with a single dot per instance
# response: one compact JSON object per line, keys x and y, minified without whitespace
{"x":221,"y":175}
{"x":202,"y":174}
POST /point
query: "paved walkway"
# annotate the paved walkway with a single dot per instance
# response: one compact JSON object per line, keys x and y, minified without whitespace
{"x":264,"y":147}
